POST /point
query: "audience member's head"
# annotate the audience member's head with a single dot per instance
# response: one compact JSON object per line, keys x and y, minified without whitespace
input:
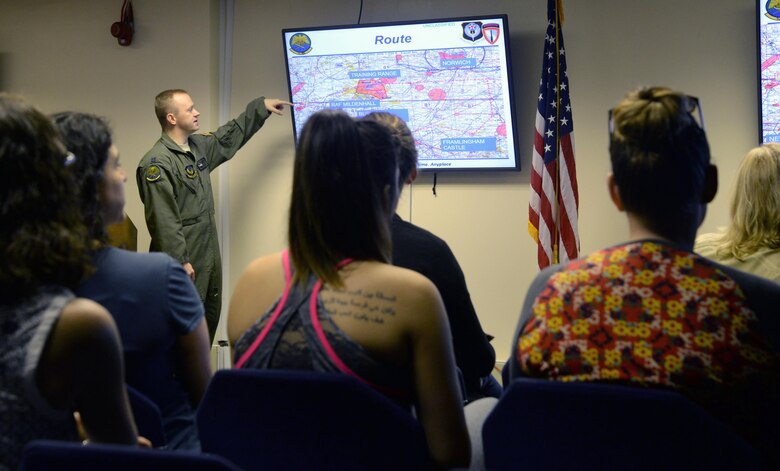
{"x":407,"y":157}
{"x":755,"y":206}
{"x":96,"y":170}
{"x":42,"y":234}
{"x":345,"y":188}
{"x":661,"y":161}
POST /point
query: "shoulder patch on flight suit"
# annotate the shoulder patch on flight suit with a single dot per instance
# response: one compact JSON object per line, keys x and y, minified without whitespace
{"x":190,"y":171}
{"x":153,"y":173}
{"x":202,"y":164}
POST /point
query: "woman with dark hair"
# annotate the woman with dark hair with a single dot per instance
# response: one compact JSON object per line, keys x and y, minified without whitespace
{"x":424,"y":252}
{"x":153,"y":301}
{"x":384,"y":325}
{"x":60,"y":353}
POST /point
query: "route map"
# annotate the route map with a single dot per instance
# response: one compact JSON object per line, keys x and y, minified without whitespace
{"x":770,"y":74}
{"x":452,"y":99}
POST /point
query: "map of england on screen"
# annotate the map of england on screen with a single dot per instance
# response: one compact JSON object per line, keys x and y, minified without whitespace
{"x":769,"y":63}
{"x":449,"y":80}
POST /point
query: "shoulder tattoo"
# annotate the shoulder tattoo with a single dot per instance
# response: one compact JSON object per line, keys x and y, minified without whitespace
{"x":374,"y":307}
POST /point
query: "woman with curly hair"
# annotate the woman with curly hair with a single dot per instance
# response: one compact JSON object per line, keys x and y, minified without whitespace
{"x":751,"y":242}
{"x":61,"y":354}
{"x":152,"y":300}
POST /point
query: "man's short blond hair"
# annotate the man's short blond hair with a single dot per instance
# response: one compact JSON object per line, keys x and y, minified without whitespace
{"x":163,"y":104}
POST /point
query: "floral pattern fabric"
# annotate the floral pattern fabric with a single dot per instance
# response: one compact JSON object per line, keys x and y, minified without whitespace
{"x":646,"y":313}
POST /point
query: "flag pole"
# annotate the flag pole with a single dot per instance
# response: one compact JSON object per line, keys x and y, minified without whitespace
{"x":554,"y":201}
{"x":556,"y":232}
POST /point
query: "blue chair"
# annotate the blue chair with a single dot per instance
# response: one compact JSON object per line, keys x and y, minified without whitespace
{"x":147,"y":417}
{"x":47,"y":455}
{"x":275,"y":419}
{"x":540,"y":424}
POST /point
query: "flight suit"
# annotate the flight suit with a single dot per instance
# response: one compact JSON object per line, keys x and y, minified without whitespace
{"x":175,"y":188}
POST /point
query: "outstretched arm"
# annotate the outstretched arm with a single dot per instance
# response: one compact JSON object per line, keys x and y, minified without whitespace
{"x":223,"y":144}
{"x":275,"y":105}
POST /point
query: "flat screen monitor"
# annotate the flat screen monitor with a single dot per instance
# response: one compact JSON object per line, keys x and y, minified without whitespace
{"x":768,"y":19}
{"x":449,"y":79}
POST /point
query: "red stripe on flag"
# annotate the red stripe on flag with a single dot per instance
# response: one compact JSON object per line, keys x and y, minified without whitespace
{"x":554,"y":197}
{"x":568,"y":200}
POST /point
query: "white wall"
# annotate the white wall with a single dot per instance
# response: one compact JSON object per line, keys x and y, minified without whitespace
{"x":612,"y":47}
{"x":61,"y":56}
{"x":64,"y":58}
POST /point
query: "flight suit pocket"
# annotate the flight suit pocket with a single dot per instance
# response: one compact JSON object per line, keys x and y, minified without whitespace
{"x":188,"y":183}
{"x":189,"y":221}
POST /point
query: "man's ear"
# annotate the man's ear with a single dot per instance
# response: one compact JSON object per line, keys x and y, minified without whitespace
{"x":412,"y":176}
{"x":710,"y":184}
{"x":171,"y":119}
{"x":614,"y":192}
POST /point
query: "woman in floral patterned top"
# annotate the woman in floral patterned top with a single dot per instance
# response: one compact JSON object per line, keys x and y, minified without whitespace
{"x":650,"y":312}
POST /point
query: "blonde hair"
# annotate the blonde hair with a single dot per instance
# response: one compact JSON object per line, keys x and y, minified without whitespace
{"x":163,"y":104}
{"x":755,"y":205}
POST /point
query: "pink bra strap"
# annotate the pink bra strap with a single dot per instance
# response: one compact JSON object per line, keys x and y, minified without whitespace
{"x":315,"y":321}
{"x":329,"y":348}
{"x":259,"y":339}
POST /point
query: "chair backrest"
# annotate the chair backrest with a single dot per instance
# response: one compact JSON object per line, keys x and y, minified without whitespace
{"x":540,"y":424}
{"x":275,"y":419}
{"x":46,"y":455}
{"x":147,"y":417}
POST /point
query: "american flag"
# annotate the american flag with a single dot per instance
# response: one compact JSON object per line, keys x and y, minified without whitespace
{"x":552,"y":211}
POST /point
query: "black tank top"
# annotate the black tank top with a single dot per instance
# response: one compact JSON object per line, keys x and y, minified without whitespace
{"x":298,"y":333}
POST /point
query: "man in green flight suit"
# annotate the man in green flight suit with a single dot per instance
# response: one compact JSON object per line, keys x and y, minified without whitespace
{"x":175,"y":187}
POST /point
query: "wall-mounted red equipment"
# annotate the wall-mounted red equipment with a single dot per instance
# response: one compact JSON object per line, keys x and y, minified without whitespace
{"x":123,"y":29}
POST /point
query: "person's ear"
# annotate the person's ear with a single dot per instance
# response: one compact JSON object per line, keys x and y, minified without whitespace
{"x":171,"y":118}
{"x":710,"y":184}
{"x":412,"y":176}
{"x":614,"y":192}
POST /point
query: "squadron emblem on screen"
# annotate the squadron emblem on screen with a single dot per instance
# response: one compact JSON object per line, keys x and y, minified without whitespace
{"x":773,"y":9}
{"x":300,"y":43}
{"x":473,"y":31}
